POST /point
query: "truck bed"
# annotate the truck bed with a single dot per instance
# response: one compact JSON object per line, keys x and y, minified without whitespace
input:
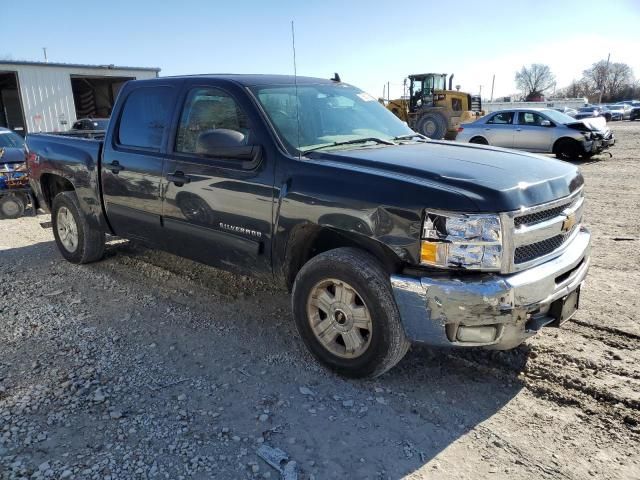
{"x":75,"y":158}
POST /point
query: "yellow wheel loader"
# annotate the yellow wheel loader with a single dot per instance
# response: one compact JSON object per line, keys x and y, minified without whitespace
{"x":433,"y":110}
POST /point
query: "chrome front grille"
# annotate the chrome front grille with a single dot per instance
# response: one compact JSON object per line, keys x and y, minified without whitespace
{"x":537,"y":234}
{"x":526,"y":253}
{"x":538,"y":217}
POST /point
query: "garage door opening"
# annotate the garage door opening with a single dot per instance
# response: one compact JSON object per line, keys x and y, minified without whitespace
{"x":11,"y":113}
{"x":94,"y":96}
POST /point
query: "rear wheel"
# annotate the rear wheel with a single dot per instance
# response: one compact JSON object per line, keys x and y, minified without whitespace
{"x":345,"y":313}
{"x":432,"y":125}
{"x":77,"y":240}
{"x":12,"y":206}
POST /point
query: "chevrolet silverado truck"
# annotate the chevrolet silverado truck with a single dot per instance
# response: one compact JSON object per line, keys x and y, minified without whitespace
{"x":384,"y":237}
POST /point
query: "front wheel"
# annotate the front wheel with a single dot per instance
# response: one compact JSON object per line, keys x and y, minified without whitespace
{"x":432,"y":125}
{"x":12,"y":206}
{"x":77,"y":240}
{"x":345,"y":313}
{"x":567,"y":149}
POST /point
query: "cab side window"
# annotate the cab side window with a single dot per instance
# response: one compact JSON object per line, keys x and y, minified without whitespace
{"x":502,"y":118}
{"x":210,"y":117}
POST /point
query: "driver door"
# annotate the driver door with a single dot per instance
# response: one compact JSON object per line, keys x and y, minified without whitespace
{"x":218,"y":189}
{"x":534,"y":132}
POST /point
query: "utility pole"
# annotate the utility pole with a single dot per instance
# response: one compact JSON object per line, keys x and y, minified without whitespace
{"x":388,"y":93}
{"x":44,"y":49}
{"x":492,"y":84}
{"x":606,"y":76}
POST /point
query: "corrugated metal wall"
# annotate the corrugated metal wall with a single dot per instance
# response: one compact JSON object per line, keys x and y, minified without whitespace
{"x":47,"y":97}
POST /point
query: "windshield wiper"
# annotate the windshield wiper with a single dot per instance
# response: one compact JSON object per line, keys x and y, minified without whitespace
{"x":350,"y":142}
{"x":409,"y":136}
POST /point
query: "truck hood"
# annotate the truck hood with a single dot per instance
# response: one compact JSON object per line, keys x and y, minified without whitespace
{"x":598,"y":124}
{"x":495,"y":179}
{"x":11,"y":155}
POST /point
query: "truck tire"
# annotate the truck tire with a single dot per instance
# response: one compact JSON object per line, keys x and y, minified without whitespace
{"x":77,"y":241}
{"x":11,"y":206}
{"x":432,"y":125}
{"x":346,"y":314}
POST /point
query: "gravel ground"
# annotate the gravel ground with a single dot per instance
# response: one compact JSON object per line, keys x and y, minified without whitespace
{"x":149,"y":366}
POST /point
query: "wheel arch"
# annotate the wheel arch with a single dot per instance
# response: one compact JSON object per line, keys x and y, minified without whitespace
{"x":560,"y":141}
{"x":308,"y":240}
{"x":51,"y":185}
{"x":479,"y":137}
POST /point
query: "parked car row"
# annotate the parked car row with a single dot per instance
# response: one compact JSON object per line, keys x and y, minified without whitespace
{"x":633,"y":108}
{"x":593,"y":111}
{"x":625,"y":110}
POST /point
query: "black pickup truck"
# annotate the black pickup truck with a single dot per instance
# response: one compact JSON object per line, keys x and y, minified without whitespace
{"x":384,"y":237}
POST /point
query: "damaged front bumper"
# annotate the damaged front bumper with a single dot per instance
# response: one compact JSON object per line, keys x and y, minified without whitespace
{"x":490,"y":310}
{"x":600,"y":143}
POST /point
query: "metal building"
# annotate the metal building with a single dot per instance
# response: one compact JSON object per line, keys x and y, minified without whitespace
{"x":49,"y":97}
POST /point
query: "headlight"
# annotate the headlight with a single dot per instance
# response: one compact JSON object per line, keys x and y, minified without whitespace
{"x":454,"y":240}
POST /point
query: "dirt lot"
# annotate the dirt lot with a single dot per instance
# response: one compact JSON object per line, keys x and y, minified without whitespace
{"x":145,"y":366}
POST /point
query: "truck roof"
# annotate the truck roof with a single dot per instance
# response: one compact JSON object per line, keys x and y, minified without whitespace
{"x":249,"y":80}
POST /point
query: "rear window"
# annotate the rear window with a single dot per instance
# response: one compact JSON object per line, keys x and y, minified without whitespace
{"x":145,"y":116}
{"x":502,"y":118}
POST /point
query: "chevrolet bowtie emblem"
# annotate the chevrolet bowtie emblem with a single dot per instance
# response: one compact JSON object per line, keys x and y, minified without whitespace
{"x":569,"y":222}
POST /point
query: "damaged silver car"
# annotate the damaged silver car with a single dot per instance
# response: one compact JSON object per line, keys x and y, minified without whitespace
{"x":540,"y":130}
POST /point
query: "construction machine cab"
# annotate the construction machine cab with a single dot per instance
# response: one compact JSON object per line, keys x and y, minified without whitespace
{"x":423,"y":89}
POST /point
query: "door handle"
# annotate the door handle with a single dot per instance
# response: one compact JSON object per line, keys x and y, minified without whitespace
{"x":115,"y":167}
{"x":487,"y":129}
{"x":178,"y":178}
{"x":518,"y":129}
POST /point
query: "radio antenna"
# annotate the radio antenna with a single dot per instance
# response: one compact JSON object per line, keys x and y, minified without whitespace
{"x":295,"y":83}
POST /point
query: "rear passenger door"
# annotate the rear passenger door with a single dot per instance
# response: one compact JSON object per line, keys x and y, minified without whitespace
{"x":133,"y":159}
{"x":218,"y":181}
{"x":498,"y":129}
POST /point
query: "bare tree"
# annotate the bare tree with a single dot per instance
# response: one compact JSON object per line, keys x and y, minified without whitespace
{"x":596,"y":75}
{"x":576,"y":89}
{"x":608,"y":82}
{"x":619,"y":76}
{"x":535,"y":80}
{"x":609,"y":78}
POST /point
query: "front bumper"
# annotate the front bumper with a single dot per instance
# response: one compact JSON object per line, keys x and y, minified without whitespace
{"x":599,"y":144}
{"x":489,"y":310}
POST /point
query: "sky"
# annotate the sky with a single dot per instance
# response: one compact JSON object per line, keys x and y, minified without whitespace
{"x":369,"y":43}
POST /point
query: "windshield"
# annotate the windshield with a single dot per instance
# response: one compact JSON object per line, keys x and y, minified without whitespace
{"x":615,"y":107}
{"x":559,"y":117}
{"x":11,"y":140}
{"x":327,"y":114}
{"x":587,"y":109}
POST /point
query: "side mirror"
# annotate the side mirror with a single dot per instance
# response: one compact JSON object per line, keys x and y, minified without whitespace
{"x":228,"y":145}
{"x":546,"y":123}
